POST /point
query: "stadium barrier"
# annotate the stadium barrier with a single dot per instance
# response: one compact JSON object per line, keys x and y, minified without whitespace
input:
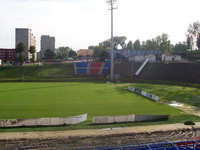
{"x":128,"y":118}
{"x":43,"y":121}
{"x":143,"y":93}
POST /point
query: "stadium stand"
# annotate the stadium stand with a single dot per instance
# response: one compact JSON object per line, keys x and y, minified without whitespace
{"x":93,"y":68}
{"x":80,"y":68}
{"x":184,"y":145}
{"x":179,"y":72}
{"x":127,"y":69}
{"x":96,"y":67}
{"x":106,"y":68}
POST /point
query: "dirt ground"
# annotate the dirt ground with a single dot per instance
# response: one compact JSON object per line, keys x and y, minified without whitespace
{"x":69,"y":140}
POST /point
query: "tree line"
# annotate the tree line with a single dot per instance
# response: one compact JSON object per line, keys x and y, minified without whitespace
{"x":60,"y":53}
{"x":160,"y":42}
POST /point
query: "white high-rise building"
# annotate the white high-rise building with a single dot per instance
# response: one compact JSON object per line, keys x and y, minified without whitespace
{"x":25,"y":36}
{"x":47,"y":42}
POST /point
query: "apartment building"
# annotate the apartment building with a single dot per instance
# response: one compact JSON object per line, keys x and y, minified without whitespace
{"x":7,"y":54}
{"x":25,"y":36}
{"x":47,"y":42}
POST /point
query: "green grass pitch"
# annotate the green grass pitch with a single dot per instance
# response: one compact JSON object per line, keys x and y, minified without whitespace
{"x":64,"y":99}
{"x":35,"y":100}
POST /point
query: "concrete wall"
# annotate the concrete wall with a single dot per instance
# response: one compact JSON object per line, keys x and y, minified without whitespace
{"x":43,"y":121}
{"x":128,"y":118}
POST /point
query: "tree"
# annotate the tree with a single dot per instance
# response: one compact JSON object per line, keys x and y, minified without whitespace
{"x":137,"y":45}
{"x":103,"y":54}
{"x":143,"y":46}
{"x":162,"y":43}
{"x":117,"y":41}
{"x":100,"y":52}
{"x":19,"y":49}
{"x":49,"y":54}
{"x":72,"y":53}
{"x":151,"y":45}
{"x":106,"y":44}
{"x":198,"y":41}
{"x":165,"y":44}
{"x":97,"y":50}
{"x":189,"y":43}
{"x":193,"y":32}
{"x":91,"y":47}
{"x":120,"y":41}
{"x":59,"y":56}
{"x":63,"y":52}
{"x":32,"y":51}
{"x":180,"y":47}
{"x":129,"y":45}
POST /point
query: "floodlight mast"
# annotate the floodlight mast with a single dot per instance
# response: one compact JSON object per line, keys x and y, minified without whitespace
{"x":111,"y":3}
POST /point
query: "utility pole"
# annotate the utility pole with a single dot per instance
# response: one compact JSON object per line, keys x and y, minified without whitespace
{"x":111,"y":3}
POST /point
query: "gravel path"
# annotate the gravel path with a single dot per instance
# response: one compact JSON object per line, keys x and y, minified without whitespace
{"x":94,"y":132}
{"x":96,"y":137}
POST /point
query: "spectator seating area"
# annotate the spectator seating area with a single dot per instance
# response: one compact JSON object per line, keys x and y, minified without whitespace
{"x":179,"y":72}
{"x":159,"y":145}
{"x":127,"y":69}
{"x":91,"y":68}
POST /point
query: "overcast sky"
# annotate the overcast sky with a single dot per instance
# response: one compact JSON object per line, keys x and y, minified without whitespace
{"x":81,"y":23}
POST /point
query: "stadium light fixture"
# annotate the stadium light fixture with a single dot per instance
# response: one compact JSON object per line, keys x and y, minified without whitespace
{"x":111,"y":3}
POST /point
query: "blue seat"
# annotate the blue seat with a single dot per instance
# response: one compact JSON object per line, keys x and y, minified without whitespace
{"x":82,"y":64}
{"x":81,"y":71}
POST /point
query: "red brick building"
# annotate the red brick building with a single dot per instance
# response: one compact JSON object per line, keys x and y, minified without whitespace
{"x":7,"y":54}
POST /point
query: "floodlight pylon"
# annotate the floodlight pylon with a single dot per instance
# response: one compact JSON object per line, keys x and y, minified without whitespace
{"x":111,"y":3}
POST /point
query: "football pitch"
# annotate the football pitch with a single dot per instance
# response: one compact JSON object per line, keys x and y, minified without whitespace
{"x":64,"y":99}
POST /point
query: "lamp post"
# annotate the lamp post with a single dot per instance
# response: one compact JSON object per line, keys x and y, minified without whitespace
{"x":111,"y":3}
